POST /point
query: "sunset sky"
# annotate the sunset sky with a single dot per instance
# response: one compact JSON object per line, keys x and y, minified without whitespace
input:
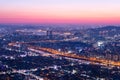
{"x":60,"y":11}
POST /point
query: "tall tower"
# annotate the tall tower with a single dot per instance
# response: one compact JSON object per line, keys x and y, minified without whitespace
{"x":49,"y":34}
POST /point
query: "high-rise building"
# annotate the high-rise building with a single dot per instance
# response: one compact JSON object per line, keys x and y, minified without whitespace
{"x":49,"y":34}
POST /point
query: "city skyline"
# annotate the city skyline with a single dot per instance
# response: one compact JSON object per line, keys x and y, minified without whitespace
{"x":60,"y":11}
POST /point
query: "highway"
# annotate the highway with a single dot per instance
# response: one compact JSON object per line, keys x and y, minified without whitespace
{"x":93,"y":60}
{"x":73,"y":55}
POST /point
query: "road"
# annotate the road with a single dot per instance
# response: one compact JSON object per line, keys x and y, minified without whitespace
{"x":24,"y":72}
{"x":73,"y":55}
{"x":91,"y":59}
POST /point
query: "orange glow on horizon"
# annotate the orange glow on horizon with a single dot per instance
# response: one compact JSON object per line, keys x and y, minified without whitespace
{"x":43,"y":17}
{"x":60,"y":11}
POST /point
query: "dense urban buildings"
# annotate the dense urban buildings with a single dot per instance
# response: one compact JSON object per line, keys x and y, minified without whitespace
{"x":55,"y":52}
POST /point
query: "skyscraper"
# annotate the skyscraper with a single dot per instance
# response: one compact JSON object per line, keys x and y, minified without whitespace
{"x":49,"y":34}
